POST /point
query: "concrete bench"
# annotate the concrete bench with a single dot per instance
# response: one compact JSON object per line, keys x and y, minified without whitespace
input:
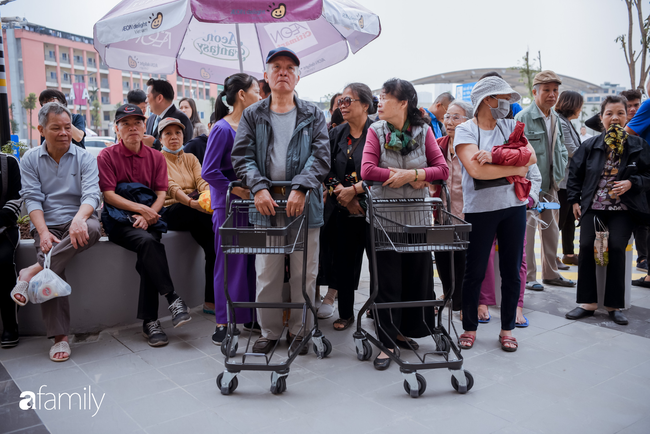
{"x":105,"y":284}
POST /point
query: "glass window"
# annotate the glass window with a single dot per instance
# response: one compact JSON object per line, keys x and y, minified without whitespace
{"x":107,"y":116}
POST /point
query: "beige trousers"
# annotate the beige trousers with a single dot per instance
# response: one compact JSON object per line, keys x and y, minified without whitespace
{"x":270,"y":281}
{"x":549,"y":237}
{"x":56,"y":312}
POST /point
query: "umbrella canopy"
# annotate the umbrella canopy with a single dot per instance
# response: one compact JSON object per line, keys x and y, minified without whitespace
{"x":199,"y":38}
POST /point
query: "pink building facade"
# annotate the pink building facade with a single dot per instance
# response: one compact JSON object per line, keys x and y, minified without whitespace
{"x":39,"y":58}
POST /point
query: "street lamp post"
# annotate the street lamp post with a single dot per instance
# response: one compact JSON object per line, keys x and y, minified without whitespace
{"x":5,"y":131}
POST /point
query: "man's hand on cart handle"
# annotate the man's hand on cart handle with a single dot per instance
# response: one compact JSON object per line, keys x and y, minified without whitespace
{"x":296,"y":203}
{"x":264,"y":203}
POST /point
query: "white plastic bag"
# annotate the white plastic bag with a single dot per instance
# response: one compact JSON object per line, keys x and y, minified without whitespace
{"x":47,"y":285}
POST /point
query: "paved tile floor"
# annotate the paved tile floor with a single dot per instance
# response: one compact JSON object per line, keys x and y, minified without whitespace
{"x":588,"y":376}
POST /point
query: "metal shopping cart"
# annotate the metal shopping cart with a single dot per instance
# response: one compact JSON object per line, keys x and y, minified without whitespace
{"x":247,"y":232}
{"x":409,"y":226}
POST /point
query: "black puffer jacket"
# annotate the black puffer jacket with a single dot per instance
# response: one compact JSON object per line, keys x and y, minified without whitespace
{"x":587,"y":167}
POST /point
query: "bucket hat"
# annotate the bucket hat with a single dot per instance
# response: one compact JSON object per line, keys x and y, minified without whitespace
{"x":492,"y":86}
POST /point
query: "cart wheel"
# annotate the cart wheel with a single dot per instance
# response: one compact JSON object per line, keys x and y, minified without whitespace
{"x":280,"y":386}
{"x":470,"y":382}
{"x":443,"y":344}
{"x":231,"y":387}
{"x":224,"y":347}
{"x":367,"y":351}
{"x":328,"y":347}
{"x":422,"y":386}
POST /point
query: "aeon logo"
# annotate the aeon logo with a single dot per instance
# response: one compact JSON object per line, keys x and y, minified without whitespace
{"x":297,"y":36}
{"x":220,"y":47}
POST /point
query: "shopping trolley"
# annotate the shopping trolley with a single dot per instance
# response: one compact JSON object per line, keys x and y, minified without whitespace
{"x":409,"y":226}
{"x":247,"y":232}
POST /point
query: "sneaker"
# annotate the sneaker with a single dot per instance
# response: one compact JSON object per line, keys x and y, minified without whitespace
{"x":253,"y":327}
{"x":9,"y":338}
{"x":154,"y":333}
{"x":180,"y":312}
{"x":325,"y":311}
{"x":642,"y":265}
{"x":219,"y":335}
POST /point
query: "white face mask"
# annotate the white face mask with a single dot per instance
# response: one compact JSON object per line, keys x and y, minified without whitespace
{"x":502,"y":110}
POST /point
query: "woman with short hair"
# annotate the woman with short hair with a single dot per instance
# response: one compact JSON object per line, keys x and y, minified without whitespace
{"x":188,"y":106}
{"x":402,"y":154}
{"x":609,"y":177}
{"x":182,"y":209}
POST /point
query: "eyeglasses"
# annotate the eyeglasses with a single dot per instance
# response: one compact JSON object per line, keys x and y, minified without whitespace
{"x":344,"y":102}
{"x":455,"y":118}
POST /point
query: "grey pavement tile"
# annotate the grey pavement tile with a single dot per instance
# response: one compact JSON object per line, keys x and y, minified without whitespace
{"x":38,"y":429}
{"x":559,"y":343}
{"x":610,"y":354}
{"x":643,"y":301}
{"x":456,"y":416}
{"x":107,"y":346}
{"x":9,"y":392}
{"x":197,"y":328}
{"x":559,"y":419}
{"x":497,"y":367}
{"x":360,"y":417}
{"x":247,"y":394}
{"x":402,"y":424}
{"x":587,"y":331}
{"x":316,"y":394}
{"x":626,"y":386}
{"x":362,"y":378}
{"x":26,"y":366}
{"x":115,"y":367}
{"x":336,"y":360}
{"x":545,"y":383}
{"x":515,"y":429}
{"x":4,"y":375}
{"x":170,"y":354}
{"x":28,"y":346}
{"x":14,"y":419}
{"x":642,"y":370}
{"x":205,"y":345}
{"x":204,"y":421}
{"x":584,"y":372}
{"x":135,"y":386}
{"x":547,"y":321}
{"x":148,"y":411}
{"x":132,"y":338}
{"x":523,"y":334}
{"x":63,"y":380}
{"x":297,"y":374}
{"x":193,"y":371}
{"x":639,"y":427}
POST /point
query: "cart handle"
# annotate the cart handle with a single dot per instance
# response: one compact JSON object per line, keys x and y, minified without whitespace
{"x":234,"y":184}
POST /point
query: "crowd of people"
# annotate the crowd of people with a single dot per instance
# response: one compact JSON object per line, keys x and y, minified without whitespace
{"x":499,"y":161}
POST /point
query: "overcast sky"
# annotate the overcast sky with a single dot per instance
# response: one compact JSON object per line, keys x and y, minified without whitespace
{"x":421,"y":38}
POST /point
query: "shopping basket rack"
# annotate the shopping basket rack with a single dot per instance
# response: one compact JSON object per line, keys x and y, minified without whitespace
{"x":246,"y":231}
{"x":409,"y":226}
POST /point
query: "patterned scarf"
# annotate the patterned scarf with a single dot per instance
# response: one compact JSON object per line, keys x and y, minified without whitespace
{"x":400,"y":141}
{"x":615,"y":138}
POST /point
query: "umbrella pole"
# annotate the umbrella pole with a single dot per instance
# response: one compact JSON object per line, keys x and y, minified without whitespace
{"x":239,"y":51}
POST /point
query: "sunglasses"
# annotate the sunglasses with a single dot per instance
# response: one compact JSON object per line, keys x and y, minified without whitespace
{"x":344,"y":102}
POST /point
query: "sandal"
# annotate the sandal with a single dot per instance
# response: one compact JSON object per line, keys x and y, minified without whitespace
{"x":60,"y":347}
{"x":466,"y":341}
{"x":342,"y":324}
{"x":20,"y":289}
{"x":508,"y":340}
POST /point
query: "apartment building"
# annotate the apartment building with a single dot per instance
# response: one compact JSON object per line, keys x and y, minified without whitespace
{"x":39,"y":58}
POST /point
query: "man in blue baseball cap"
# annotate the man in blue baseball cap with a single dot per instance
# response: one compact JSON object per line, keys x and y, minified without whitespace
{"x":283,"y":138}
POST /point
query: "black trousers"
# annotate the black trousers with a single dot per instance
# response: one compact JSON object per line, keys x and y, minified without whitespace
{"x":620,"y":227}
{"x":567,"y":222}
{"x":443,"y":265}
{"x":641,"y":236}
{"x":151,"y":265}
{"x":8,"y":244}
{"x":404,"y":277}
{"x":183,"y":218}
{"x":347,"y":257}
{"x":509,"y":226}
{"x":326,"y":274}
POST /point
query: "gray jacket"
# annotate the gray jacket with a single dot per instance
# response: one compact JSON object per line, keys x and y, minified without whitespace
{"x":571,"y":143}
{"x":308,"y":153}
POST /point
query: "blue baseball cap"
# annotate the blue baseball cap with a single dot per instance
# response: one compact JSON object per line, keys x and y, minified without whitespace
{"x":282,"y":51}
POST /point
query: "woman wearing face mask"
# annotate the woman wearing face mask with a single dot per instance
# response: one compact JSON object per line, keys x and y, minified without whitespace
{"x":402,"y":153}
{"x":608,"y":180}
{"x":239,"y":91}
{"x":183,"y":212}
{"x":491,"y":205}
{"x":344,"y":207}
